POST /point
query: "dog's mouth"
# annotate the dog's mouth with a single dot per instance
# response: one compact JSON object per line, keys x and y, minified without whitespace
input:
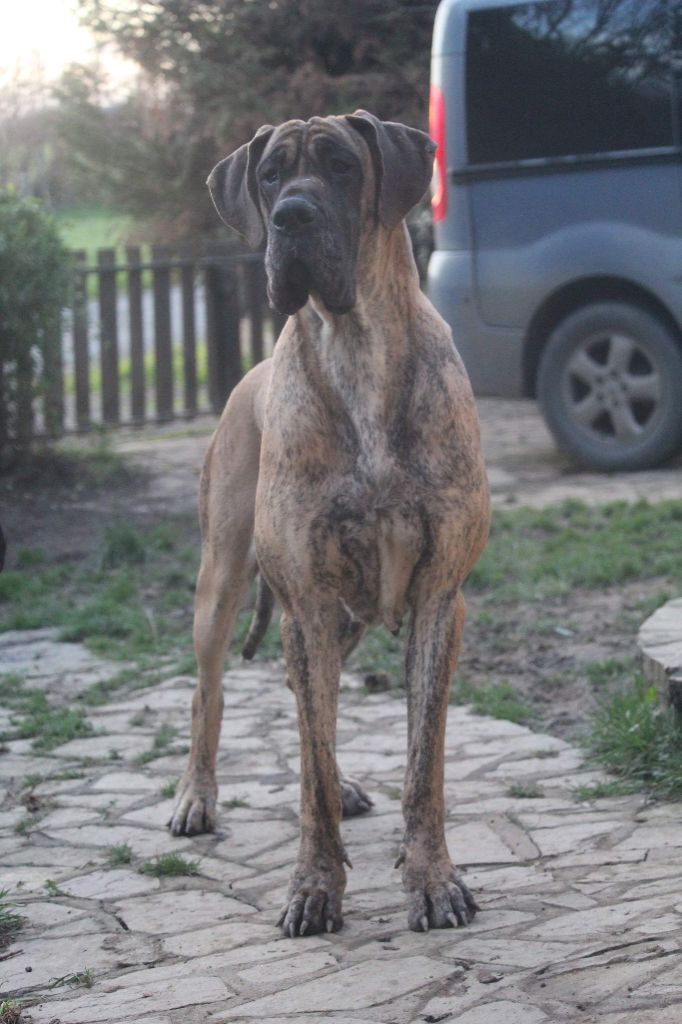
{"x":290,"y":286}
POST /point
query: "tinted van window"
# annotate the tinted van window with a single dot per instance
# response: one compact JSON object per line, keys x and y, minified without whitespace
{"x":570,"y":77}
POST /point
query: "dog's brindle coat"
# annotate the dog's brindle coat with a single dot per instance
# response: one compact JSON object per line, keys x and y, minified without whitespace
{"x":353,"y":460}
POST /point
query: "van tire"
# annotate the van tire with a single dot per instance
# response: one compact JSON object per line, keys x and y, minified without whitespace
{"x":610,"y":387}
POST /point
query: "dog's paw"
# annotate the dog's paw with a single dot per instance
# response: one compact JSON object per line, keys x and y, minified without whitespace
{"x":436,"y":896}
{"x":353,"y":798}
{"x":195,"y":809}
{"x":440,"y":905}
{"x":313,"y":904}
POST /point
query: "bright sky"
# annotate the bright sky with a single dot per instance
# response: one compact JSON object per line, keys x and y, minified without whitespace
{"x":45,"y":33}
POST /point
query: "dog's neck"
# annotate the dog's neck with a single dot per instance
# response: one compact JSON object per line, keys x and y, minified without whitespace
{"x":360,"y":358}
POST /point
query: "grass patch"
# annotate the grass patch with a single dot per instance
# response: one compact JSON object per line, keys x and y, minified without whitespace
{"x":52,"y":889}
{"x":161,"y":744}
{"x":535,"y":554}
{"x":119,"y":855}
{"x":638,"y":739}
{"x":169,"y":788}
{"x":525,"y":791}
{"x":10,"y":921}
{"x":499,"y":700}
{"x":10,"y":1011}
{"x":604,"y":673}
{"x":92,"y":228}
{"x":130,"y":600}
{"x":49,"y":727}
{"x":169,"y":864}
{"x":11,"y":688}
{"x":234,"y":803}
{"x":84,"y":978}
{"x":599,"y":790}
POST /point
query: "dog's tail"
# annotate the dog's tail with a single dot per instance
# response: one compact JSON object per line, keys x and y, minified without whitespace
{"x":265,"y":602}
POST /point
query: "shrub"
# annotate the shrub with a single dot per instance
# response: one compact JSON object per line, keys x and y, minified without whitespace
{"x":34,"y":276}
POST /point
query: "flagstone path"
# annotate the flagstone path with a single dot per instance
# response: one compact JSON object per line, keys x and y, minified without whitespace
{"x":581,"y":903}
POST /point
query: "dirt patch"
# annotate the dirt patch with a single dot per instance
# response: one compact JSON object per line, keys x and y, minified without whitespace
{"x":145,"y":477}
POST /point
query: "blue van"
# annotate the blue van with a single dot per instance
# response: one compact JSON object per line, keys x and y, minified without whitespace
{"x":558,"y":214}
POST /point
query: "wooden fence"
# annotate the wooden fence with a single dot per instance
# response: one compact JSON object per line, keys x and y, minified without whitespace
{"x":153,"y":337}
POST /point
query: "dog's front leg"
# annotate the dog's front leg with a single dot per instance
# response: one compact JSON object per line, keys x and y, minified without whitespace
{"x":319,"y":880}
{"x":437,"y":897}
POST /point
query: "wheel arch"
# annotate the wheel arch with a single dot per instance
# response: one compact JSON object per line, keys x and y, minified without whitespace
{"x":573,"y":296}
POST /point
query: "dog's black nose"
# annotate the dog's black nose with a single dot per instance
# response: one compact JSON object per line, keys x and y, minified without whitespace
{"x":294,"y":214}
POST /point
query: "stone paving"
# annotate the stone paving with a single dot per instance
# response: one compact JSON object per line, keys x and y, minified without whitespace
{"x":581,"y":902}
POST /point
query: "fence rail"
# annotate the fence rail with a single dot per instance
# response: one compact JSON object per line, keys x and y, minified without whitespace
{"x":152,"y":338}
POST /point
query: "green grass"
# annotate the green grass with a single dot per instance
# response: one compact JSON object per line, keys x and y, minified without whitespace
{"x":536,"y":554}
{"x":161,"y":744}
{"x":638,"y":739}
{"x":132,"y":599}
{"x":600,"y":790}
{"x":10,"y":921}
{"x":119,"y":855}
{"x":525,"y":791}
{"x":84,"y":978}
{"x":47,"y":726}
{"x":169,"y":864}
{"x":52,"y":889}
{"x":604,"y":673}
{"x":234,"y":803}
{"x":169,"y":788}
{"x":499,"y":700}
{"x":92,"y":228}
{"x":10,"y":1011}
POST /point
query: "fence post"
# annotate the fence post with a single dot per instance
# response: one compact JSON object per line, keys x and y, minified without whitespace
{"x":222,"y":323}
{"x":163,"y":348}
{"x":189,"y":341}
{"x":53,"y":374}
{"x":254,"y":278}
{"x":25,"y":372}
{"x":106,"y":262}
{"x":137,"y":375}
{"x":81,"y":353}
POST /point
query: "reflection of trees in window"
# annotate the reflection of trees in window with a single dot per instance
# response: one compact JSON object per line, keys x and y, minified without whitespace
{"x":569,"y":76}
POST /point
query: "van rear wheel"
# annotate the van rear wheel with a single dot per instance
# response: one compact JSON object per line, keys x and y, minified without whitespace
{"x":610,"y":387}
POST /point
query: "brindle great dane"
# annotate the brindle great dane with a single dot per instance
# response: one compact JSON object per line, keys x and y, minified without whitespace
{"x":347,"y":470}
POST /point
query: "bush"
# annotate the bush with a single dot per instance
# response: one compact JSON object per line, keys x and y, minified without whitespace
{"x":34,"y":276}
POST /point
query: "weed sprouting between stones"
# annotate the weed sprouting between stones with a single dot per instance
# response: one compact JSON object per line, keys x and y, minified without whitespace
{"x":637,"y":738}
{"x":170,"y":864}
{"x":499,"y":700}
{"x":86,"y":978}
{"x":10,"y":921}
{"x":10,"y":1011}
{"x":525,"y":791}
{"x":119,"y":855}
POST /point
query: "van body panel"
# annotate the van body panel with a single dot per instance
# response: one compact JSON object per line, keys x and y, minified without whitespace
{"x":533,"y":235}
{"x":451,"y":289}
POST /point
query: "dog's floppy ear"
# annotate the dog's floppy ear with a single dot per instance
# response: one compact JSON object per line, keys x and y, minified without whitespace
{"x":403,"y":161}
{"x":232,"y":184}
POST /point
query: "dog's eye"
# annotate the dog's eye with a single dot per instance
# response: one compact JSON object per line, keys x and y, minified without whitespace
{"x":339,"y":165}
{"x":270,"y":175}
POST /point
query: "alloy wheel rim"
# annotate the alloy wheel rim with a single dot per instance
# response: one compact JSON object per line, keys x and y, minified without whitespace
{"x":612,"y":389}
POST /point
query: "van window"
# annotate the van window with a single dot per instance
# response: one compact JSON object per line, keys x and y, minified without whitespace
{"x":570,"y":77}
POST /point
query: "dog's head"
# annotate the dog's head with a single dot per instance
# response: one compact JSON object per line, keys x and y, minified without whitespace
{"x":313,"y":188}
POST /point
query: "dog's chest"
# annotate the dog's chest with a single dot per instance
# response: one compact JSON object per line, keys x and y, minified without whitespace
{"x":368,"y":536}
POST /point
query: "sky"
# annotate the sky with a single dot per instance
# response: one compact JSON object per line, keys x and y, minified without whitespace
{"x":45,"y":34}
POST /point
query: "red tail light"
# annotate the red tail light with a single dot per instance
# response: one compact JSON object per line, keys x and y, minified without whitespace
{"x":439,"y":199}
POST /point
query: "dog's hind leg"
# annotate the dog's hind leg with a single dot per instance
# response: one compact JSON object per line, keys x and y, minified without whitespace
{"x":228,"y":565}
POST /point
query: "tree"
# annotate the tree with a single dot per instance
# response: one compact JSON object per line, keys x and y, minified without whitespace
{"x":218,"y":70}
{"x":34,"y":275}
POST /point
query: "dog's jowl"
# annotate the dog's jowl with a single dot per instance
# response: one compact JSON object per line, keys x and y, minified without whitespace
{"x":347,"y":472}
